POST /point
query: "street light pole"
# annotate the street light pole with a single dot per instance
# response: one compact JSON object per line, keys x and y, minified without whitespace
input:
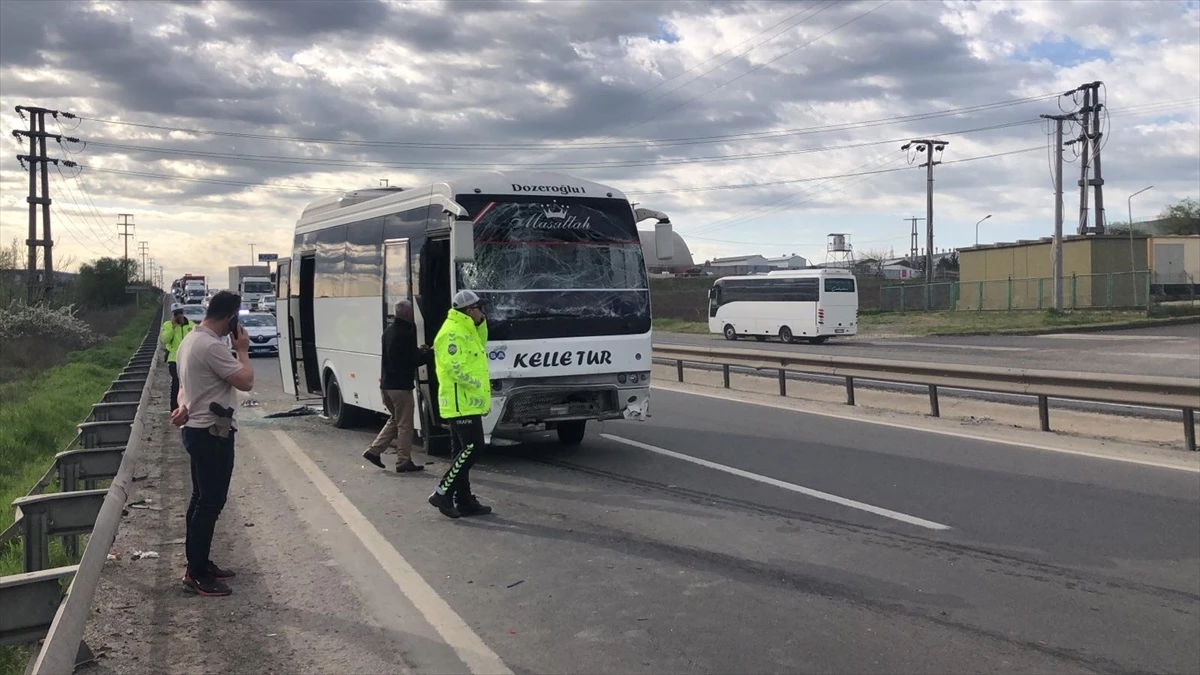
{"x":1132,"y":261}
{"x":977,"y":227}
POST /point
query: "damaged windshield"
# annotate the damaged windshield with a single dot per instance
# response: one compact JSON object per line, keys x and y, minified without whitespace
{"x":545,"y":259}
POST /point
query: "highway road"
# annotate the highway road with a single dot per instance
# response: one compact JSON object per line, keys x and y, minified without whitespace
{"x":1167,"y":351}
{"x":724,"y":537}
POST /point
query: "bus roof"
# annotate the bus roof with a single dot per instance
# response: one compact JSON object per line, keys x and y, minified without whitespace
{"x":810,"y":273}
{"x":549,"y":183}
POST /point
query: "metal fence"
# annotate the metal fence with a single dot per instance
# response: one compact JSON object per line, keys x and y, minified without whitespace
{"x":105,"y":449}
{"x":1177,"y":393}
{"x":1115,"y":290}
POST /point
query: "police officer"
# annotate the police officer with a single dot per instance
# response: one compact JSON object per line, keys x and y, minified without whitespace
{"x":172,"y":333}
{"x":464,"y":397}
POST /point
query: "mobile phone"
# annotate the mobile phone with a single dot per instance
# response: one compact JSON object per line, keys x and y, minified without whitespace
{"x":233,"y":327}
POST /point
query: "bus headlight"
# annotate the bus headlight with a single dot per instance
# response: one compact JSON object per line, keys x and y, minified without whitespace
{"x":633,"y":378}
{"x":621,"y":378}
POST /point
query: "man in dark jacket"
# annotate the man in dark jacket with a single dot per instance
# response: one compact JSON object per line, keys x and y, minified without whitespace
{"x":400,"y":359}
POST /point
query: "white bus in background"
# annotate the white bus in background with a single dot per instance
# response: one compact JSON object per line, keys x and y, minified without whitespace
{"x":556,"y":260}
{"x":792,"y":305}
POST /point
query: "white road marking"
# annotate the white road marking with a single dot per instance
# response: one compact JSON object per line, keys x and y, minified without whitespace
{"x":877,"y":510}
{"x":1102,"y":338}
{"x":941,"y":432}
{"x":477,"y":656}
{"x":983,"y":348}
{"x":1144,"y":355}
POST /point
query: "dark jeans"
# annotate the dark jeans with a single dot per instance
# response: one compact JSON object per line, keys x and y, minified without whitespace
{"x":466,"y":440}
{"x":212,"y":467}
{"x":174,"y":370}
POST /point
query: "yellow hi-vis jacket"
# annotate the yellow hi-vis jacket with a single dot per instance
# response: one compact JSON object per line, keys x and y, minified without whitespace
{"x":460,"y":358}
{"x":171,"y":335}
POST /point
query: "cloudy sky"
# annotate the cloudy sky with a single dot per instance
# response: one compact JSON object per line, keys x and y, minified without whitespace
{"x":758,"y":126}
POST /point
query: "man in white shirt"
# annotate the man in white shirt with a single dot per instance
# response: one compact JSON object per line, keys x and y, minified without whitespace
{"x":208,"y":374}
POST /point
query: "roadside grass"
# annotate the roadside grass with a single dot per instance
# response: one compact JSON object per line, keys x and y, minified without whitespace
{"x":38,"y":417}
{"x":680,"y":326}
{"x":974,"y":322}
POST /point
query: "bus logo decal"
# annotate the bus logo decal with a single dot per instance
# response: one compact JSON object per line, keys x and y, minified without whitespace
{"x":560,"y":189}
{"x":561,"y":359}
{"x":497,"y":355}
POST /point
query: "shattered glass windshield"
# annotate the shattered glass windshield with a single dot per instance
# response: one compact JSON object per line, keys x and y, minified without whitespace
{"x":548,"y":266}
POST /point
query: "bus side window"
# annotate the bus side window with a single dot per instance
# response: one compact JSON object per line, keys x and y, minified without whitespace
{"x":714,"y":300}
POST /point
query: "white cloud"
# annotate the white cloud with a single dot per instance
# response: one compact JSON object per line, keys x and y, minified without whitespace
{"x":526,"y":75}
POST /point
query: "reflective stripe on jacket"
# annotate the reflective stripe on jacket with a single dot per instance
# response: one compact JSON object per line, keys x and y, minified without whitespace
{"x":172,"y":335}
{"x":461,"y":362}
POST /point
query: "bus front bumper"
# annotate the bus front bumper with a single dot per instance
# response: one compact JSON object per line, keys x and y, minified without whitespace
{"x":529,"y":408}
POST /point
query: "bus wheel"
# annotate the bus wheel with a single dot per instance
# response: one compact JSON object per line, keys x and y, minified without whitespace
{"x":335,"y":407}
{"x":785,"y":335}
{"x":819,"y":340}
{"x":571,"y":433}
{"x":730,"y":333}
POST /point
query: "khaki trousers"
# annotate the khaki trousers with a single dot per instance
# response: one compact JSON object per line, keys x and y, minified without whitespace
{"x":399,"y":427}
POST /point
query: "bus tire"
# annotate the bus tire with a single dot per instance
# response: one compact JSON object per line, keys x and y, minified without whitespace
{"x":571,"y":433}
{"x":785,"y":335}
{"x":340,"y":414}
{"x":730,"y":333}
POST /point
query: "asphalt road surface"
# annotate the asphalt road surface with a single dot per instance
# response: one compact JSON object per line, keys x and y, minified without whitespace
{"x":723,"y":537}
{"x":1166,"y":351}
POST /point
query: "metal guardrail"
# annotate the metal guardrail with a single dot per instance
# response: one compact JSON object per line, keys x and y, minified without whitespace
{"x":106,"y":447}
{"x":1175,"y":393}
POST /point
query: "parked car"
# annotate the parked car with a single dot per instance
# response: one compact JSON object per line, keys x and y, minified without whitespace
{"x":267,"y":304}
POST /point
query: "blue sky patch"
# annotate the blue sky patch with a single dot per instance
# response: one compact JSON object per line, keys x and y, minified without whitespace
{"x":664,"y":33}
{"x":1062,"y":51}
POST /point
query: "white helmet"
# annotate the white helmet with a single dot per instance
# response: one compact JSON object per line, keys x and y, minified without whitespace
{"x":176,"y":307}
{"x":465,"y":298}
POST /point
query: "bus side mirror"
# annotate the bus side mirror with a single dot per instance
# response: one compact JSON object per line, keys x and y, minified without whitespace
{"x":462,"y":232}
{"x":664,"y":240}
{"x":462,"y":241}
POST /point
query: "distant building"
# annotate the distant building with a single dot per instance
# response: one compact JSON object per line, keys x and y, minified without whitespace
{"x":788,"y":262}
{"x":742,"y":264}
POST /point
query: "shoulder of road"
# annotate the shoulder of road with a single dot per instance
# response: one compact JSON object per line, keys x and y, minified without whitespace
{"x":696,"y":541}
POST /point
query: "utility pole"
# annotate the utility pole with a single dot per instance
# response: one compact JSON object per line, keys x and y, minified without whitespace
{"x":37,"y":159}
{"x":1056,"y":246}
{"x":142,"y":247}
{"x":1097,"y":132}
{"x":252,"y":258}
{"x":1091,"y":138}
{"x":928,"y":146}
{"x":126,"y":236}
{"x":913,"y":247}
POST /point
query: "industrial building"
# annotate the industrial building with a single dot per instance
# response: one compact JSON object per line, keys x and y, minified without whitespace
{"x":1098,"y":271}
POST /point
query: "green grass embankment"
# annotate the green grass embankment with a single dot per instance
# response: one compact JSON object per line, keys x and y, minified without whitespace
{"x":38,"y":417}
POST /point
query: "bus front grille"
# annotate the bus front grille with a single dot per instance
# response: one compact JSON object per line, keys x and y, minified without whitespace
{"x":538,"y":406}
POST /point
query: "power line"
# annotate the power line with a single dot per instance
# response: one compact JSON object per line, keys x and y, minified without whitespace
{"x":617,"y":164}
{"x":740,"y":186}
{"x":304,"y":188}
{"x":594,"y":145}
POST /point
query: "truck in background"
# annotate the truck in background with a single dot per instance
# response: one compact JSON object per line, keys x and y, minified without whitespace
{"x":252,"y":282}
{"x":194,"y":290}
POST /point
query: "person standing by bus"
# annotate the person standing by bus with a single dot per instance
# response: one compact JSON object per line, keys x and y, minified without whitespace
{"x":464,"y":397}
{"x":399,"y":361}
{"x":208,"y":374}
{"x":172,"y":333}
